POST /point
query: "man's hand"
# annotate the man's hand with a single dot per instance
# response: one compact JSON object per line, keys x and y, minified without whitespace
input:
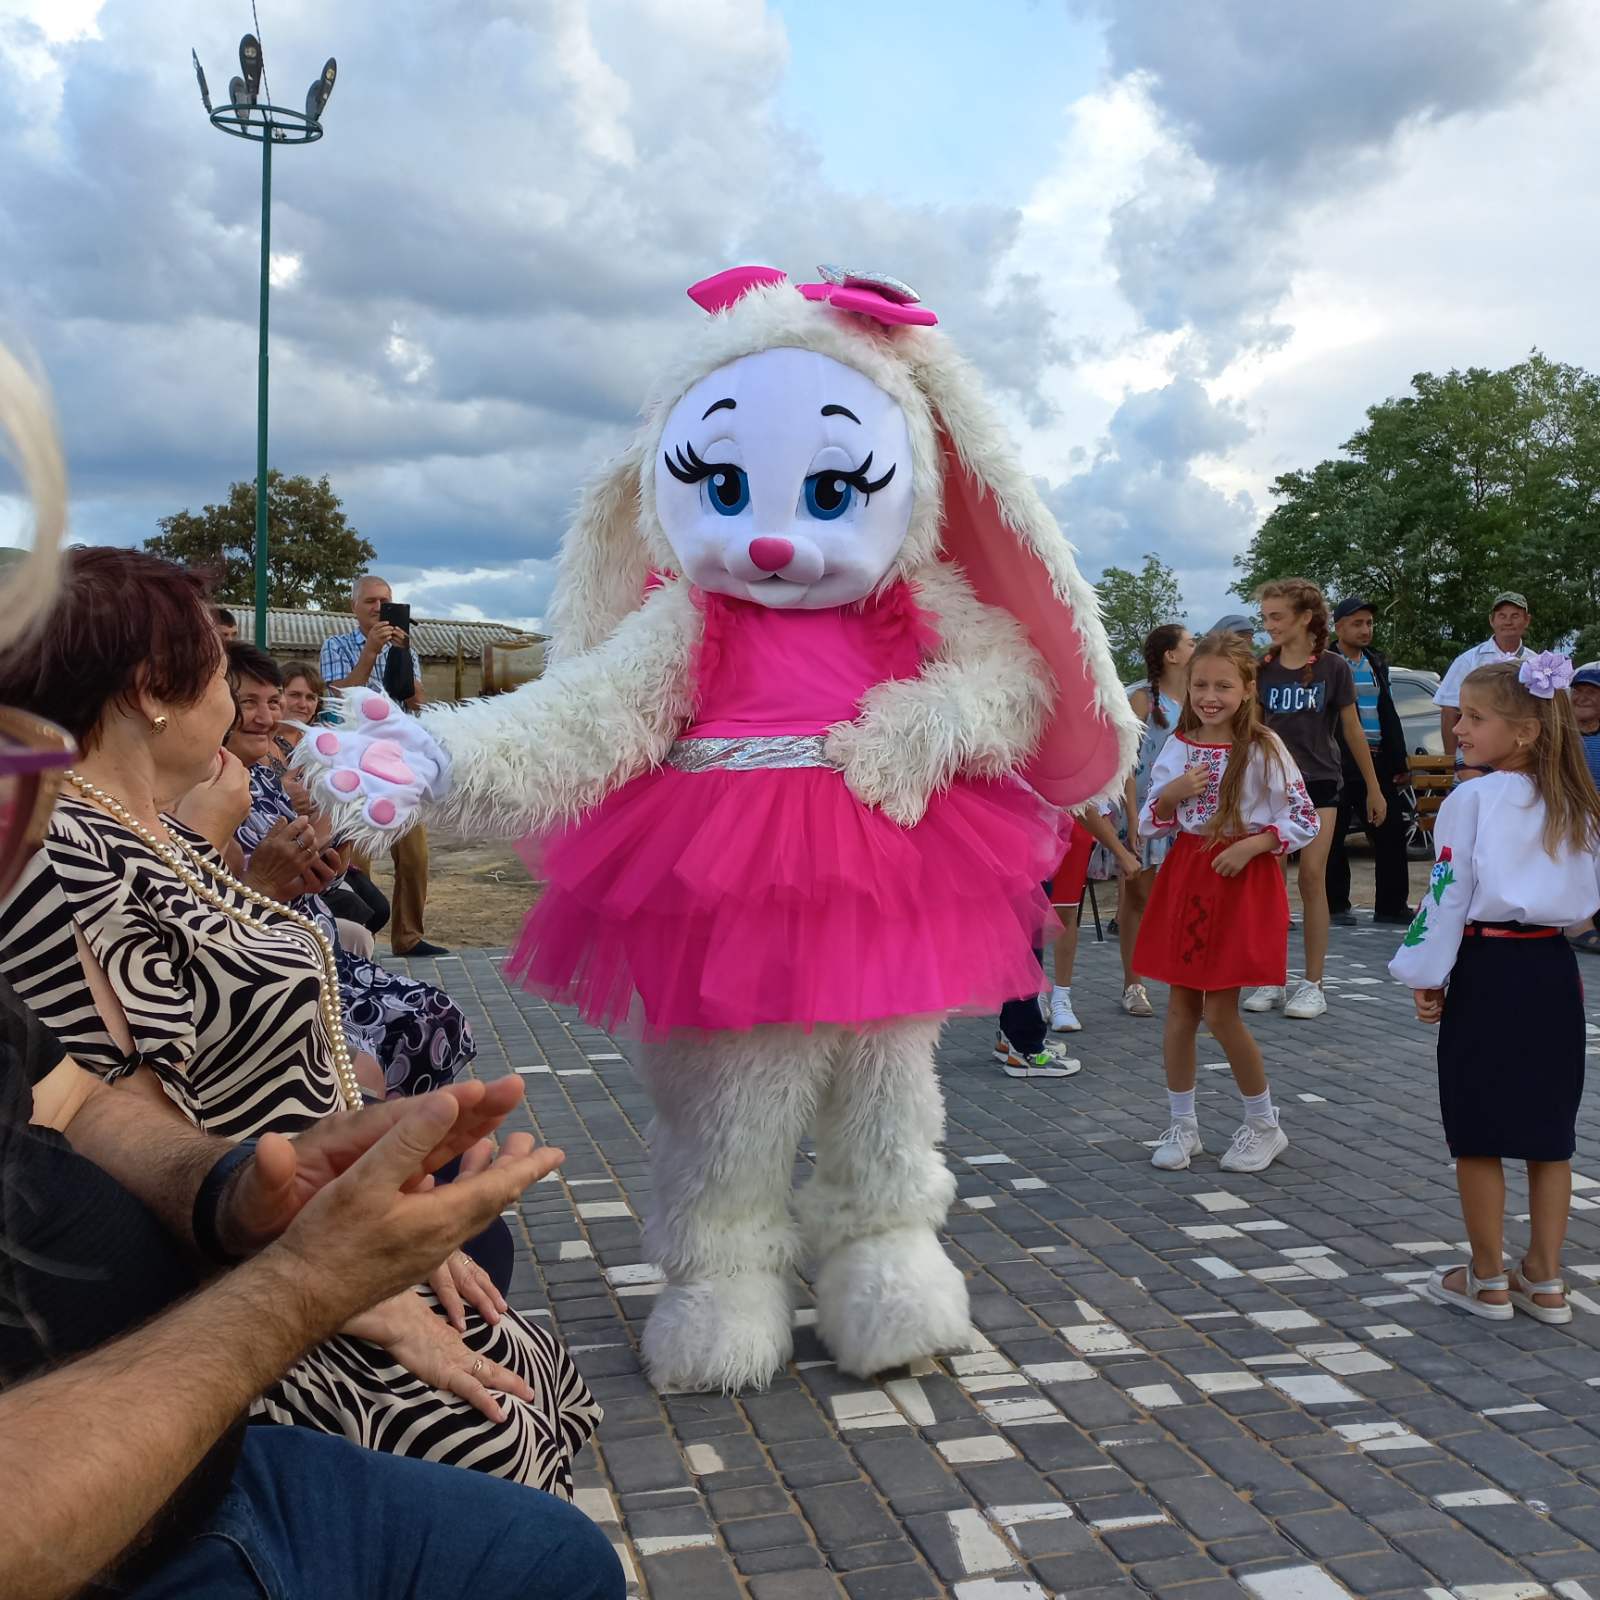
{"x":1377,"y":806}
{"x":381,"y":1225}
{"x":1429,"y":1003}
{"x":383,"y":633}
{"x":271,"y":1191}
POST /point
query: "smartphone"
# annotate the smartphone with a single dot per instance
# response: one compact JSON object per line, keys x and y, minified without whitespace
{"x":397,"y":613}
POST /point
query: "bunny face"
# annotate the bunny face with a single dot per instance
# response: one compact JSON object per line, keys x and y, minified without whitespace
{"x":785,"y":478}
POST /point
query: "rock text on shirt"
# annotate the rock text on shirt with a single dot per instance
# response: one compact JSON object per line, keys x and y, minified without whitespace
{"x":1283,"y":697}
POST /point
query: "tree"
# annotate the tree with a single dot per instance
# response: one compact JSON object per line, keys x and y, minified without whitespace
{"x":313,"y":554}
{"x":1474,"y":482}
{"x":1133,"y":603}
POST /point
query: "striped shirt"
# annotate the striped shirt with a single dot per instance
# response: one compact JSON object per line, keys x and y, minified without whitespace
{"x":1367,"y":698}
{"x":341,"y":655}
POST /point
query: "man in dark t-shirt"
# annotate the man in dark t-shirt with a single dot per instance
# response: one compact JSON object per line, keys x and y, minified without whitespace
{"x":123,"y":1377}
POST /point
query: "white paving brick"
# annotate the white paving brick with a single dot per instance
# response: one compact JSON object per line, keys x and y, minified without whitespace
{"x":1474,"y":1497}
{"x":1154,"y":1396}
{"x":666,"y":1543}
{"x":986,"y":1447}
{"x":1017,"y":1516}
{"x":978,"y":1547}
{"x":1098,"y":1339}
{"x":1282,"y":1321}
{"x":1000,"y":1589}
{"x":1294,"y":1583}
{"x":1059,"y":1371}
{"x":1221,"y":1200}
{"x":1223,"y":1382}
{"x":596,"y":1209}
{"x":576,"y":1250}
{"x":1313,"y":1389}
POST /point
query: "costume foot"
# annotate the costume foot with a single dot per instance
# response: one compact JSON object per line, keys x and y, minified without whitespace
{"x":720,"y":1333}
{"x":888,"y":1299}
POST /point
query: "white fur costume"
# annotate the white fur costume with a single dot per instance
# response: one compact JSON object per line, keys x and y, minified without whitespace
{"x":1021,"y":681}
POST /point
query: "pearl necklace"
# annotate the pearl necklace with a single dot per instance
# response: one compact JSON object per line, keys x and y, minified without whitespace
{"x":178,"y":855}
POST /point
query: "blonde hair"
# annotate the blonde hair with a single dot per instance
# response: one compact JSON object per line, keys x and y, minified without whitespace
{"x":29,"y":439}
{"x":1559,"y":773}
{"x":1247,"y":728}
{"x":1303,"y":595}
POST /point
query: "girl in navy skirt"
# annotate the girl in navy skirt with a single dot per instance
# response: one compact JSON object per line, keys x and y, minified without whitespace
{"x":1517,"y":863}
{"x":1218,"y":918}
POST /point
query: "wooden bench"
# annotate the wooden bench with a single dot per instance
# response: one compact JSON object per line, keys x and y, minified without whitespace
{"x":1432,"y":778}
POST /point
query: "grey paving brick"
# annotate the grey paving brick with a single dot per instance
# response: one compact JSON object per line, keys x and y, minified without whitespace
{"x":764,"y":1533}
{"x":844,"y":1514}
{"x":907,"y":1582}
{"x":797,"y":1586}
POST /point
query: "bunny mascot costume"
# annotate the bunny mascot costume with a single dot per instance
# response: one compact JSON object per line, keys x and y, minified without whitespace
{"x":822,"y":673}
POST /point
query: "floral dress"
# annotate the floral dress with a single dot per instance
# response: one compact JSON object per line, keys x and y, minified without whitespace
{"x":417,"y":1032}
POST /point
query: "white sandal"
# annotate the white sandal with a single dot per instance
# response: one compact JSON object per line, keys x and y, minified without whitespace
{"x":1523,"y":1298}
{"x":1469,"y":1301}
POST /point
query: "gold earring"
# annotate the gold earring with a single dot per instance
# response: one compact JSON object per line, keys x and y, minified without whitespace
{"x":158,"y":725}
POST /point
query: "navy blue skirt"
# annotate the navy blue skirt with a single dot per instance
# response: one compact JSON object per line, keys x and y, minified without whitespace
{"x":1511,"y":1050}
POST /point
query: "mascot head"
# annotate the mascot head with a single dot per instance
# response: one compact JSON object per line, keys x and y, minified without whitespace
{"x":816,"y":443}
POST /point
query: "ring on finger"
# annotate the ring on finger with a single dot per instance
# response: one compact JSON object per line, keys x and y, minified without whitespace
{"x":477,"y":1367}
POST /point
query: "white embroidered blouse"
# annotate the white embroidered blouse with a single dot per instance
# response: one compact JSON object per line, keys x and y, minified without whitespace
{"x":1274,"y":798}
{"x":1492,"y":867}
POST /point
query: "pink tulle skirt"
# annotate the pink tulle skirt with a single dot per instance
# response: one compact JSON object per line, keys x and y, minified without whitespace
{"x":728,"y":899}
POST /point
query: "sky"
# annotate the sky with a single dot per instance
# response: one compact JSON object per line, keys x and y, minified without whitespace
{"x":1186,"y":242}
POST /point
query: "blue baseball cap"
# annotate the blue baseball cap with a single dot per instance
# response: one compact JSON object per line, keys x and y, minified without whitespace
{"x":1589,"y":674}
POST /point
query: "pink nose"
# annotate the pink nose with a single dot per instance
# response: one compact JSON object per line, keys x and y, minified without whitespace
{"x":771,"y":554}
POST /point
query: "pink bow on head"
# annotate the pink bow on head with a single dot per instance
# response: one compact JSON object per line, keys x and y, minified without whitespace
{"x":886,"y":300}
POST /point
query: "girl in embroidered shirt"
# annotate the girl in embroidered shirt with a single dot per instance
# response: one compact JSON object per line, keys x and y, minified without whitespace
{"x":1517,"y":863}
{"x":1218,"y":918}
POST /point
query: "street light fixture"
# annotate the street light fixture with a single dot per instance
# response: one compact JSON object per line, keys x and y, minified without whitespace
{"x":248,"y":116}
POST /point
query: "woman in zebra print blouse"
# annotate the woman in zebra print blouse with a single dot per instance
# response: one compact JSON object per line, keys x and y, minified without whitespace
{"x":155,"y":968}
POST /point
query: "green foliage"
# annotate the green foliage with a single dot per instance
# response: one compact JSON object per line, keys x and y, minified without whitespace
{"x":1132,"y":604}
{"x":313,"y":554}
{"x":1586,"y":647}
{"x":1474,"y":482}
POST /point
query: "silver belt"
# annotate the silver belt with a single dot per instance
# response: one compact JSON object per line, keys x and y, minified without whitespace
{"x":753,"y":753}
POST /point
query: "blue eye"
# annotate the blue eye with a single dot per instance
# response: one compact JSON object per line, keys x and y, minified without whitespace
{"x":828,"y":495}
{"x":728,"y":490}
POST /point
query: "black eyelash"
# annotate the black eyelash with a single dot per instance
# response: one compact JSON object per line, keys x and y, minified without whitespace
{"x":689,"y":468}
{"x":857,"y":478}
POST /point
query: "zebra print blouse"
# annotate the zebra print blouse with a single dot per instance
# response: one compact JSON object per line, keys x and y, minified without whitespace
{"x":224,"y":1011}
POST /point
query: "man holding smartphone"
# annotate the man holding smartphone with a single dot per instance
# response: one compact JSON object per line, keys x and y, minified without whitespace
{"x":364,"y":659}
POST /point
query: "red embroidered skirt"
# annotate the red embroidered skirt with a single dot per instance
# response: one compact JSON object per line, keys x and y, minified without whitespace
{"x":1204,"y":931}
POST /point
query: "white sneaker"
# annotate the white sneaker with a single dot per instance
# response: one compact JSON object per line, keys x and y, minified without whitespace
{"x":1136,"y":1001}
{"x":1255,"y":1147}
{"x":1268,"y":998}
{"x":1051,"y":1062}
{"x":1178,"y":1144}
{"x":1063,"y":1019}
{"x":1306,"y":1002}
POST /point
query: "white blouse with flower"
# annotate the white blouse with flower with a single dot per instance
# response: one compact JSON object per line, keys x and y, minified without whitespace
{"x":1274,"y":799}
{"x":1492,"y":866}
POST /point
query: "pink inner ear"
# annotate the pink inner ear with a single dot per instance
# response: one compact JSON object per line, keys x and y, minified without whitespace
{"x":722,"y":289}
{"x":1079,"y":752}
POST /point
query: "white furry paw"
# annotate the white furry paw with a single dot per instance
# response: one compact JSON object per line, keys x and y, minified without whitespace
{"x":722,"y":1334}
{"x":374,"y":767}
{"x":877,"y":770}
{"x":885,"y":1300}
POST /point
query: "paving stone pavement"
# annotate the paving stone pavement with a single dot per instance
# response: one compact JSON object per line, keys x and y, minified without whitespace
{"x":1193,"y":1384}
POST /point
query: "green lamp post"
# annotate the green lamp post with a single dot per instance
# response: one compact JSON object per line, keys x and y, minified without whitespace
{"x":249,"y":116}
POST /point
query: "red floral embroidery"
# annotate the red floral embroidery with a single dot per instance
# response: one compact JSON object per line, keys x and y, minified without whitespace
{"x":1444,"y":853}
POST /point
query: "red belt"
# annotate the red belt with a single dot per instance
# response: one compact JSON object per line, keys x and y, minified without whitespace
{"x":1478,"y":930}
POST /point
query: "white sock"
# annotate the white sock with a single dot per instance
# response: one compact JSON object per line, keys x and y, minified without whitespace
{"x":1258,"y":1107}
{"x":1180,"y":1105}
{"x":1064,"y":992}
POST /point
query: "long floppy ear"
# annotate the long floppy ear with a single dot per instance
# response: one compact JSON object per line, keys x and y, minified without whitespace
{"x":604,"y":565}
{"x":1016,"y":558}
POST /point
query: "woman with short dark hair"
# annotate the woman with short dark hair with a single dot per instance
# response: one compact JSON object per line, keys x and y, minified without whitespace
{"x":154,"y":965}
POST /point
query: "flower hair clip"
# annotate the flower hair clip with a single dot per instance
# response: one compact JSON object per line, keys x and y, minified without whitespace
{"x":1545,"y":673}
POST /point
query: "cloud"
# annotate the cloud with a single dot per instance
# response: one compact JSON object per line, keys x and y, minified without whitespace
{"x":475,"y":270}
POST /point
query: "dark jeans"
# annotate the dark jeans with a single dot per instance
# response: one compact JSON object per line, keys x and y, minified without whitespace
{"x":1392,"y":895}
{"x":308,"y":1517}
{"x":1022,"y":1022}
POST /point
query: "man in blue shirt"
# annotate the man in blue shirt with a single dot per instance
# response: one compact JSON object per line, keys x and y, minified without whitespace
{"x":359,"y":660}
{"x":1353,"y":621}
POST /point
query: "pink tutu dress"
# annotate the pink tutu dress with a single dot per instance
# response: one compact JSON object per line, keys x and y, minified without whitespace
{"x":741,"y":883}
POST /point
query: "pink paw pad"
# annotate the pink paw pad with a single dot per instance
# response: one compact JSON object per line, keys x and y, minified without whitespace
{"x":328,"y":744}
{"x":346,"y":781}
{"x":382,"y":812}
{"x":383,"y":758}
{"x":375,"y":709}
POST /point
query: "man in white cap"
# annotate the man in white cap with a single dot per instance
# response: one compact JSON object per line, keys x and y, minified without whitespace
{"x":1508,"y":623}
